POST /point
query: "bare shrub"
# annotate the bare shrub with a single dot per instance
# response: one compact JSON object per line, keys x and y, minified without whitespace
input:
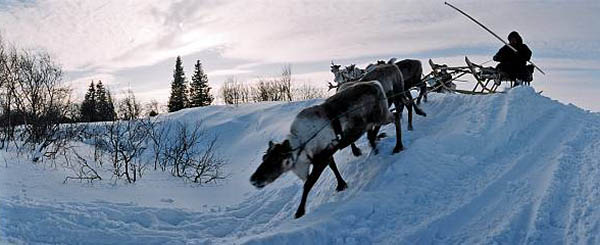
{"x":152,"y":108}
{"x":189,"y":158}
{"x":158,"y":132}
{"x":308,"y":92}
{"x":60,"y":141}
{"x":81,"y":167}
{"x":125,"y":143}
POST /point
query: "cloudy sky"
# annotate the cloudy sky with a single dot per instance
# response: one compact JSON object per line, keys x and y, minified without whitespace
{"x":133,"y":43}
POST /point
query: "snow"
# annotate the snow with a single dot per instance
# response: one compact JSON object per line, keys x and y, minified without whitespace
{"x":504,"y":168}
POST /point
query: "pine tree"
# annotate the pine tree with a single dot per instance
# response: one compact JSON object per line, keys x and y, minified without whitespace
{"x":178,"y":99}
{"x":199,"y":89}
{"x":88,"y":106}
{"x":105,"y":109}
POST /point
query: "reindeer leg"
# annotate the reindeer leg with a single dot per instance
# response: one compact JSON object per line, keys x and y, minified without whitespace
{"x":318,"y":168}
{"x":372,"y":136}
{"x":422,"y":94}
{"x":355,"y":150}
{"x":399,"y":147}
{"x":341,"y":183}
{"x":409,"y":108}
{"x":408,"y":102}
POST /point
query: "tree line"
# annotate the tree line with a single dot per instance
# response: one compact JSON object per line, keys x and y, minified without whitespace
{"x":98,"y":101}
{"x":280,"y":88}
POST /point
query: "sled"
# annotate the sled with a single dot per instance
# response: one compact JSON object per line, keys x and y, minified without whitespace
{"x":487,"y":79}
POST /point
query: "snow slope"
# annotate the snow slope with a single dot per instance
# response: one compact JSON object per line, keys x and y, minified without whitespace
{"x":504,"y":168}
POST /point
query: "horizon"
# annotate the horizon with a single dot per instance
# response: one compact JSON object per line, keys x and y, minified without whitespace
{"x":133,"y":46}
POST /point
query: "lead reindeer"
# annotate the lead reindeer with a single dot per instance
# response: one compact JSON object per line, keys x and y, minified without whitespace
{"x":319,"y":131}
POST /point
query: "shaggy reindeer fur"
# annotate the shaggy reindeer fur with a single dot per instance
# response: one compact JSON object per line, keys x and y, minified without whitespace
{"x":412,"y":70}
{"x":411,"y":73}
{"x":392,"y":81}
{"x":313,"y":138}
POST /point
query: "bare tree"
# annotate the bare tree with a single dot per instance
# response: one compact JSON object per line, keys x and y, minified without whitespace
{"x":8,"y":78}
{"x":234,"y":92}
{"x":37,"y":99}
{"x":285,"y":82}
{"x":129,"y":108}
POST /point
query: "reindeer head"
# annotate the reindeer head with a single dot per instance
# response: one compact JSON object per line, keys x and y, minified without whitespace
{"x":276,"y":161}
{"x":353,"y":73}
{"x":334,"y":68}
{"x":337,"y":73}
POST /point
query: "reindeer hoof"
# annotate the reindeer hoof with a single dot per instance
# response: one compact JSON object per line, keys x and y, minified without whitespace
{"x":356,"y":152}
{"x":299,"y":213}
{"x":410,"y":128}
{"x":398,"y":149}
{"x":381,"y":135}
{"x":341,"y":187}
{"x":375,"y":151}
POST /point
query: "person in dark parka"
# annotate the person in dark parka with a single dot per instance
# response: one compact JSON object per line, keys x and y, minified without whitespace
{"x":514,"y":64}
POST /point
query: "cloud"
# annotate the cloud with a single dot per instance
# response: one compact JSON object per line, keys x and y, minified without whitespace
{"x":112,"y":35}
{"x":127,"y":39}
{"x":105,"y":35}
{"x":227,"y":72}
{"x":121,"y":34}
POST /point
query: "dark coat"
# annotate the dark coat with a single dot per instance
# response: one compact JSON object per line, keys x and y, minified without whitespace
{"x":514,"y":64}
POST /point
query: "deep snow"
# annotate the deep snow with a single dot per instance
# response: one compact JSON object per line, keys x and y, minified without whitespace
{"x":504,"y":168}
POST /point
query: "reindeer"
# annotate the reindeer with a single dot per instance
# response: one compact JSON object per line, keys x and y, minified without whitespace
{"x":412,"y":70}
{"x":350,"y":73}
{"x":319,"y":131}
{"x":392,"y":80}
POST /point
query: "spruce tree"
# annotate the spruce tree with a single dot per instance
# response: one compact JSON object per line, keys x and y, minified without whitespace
{"x":104,"y":107}
{"x":110,"y":107}
{"x":199,"y":89}
{"x":88,"y":106}
{"x":178,"y":99}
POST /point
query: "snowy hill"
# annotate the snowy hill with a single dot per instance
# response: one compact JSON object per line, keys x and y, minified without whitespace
{"x":504,"y":168}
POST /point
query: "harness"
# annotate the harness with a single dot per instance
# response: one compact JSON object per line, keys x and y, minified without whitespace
{"x":337,"y":129}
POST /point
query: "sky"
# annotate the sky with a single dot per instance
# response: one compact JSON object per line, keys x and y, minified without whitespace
{"x":132,"y":44}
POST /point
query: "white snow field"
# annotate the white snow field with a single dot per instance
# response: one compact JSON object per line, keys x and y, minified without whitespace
{"x":507,"y":168}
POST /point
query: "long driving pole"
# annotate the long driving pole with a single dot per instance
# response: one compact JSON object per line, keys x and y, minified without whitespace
{"x":491,"y":32}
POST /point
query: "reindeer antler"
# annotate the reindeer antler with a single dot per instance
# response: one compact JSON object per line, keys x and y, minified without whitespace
{"x":331,"y":86}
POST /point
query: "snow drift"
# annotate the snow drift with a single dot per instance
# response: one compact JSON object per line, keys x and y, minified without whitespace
{"x":503,"y":168}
